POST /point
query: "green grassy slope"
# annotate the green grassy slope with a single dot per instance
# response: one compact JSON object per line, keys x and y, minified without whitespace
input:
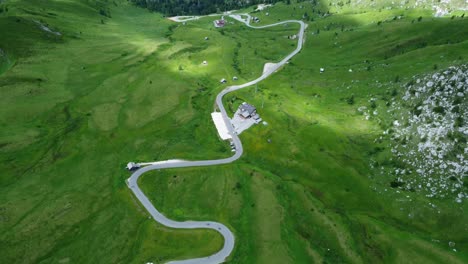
{"x":77,"y":106}
{"x":310,"y":194}
{"x":74,"y":109}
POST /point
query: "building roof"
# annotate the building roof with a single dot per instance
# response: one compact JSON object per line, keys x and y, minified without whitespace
{"x":220,"y":22}
{"x":247,"y":109}
{"x":133,"y":165}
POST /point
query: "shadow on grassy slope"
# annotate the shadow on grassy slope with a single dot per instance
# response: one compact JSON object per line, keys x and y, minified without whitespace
{"x":102,"y":100}
{"x":325,"y":146}
{"x":63,"y":193}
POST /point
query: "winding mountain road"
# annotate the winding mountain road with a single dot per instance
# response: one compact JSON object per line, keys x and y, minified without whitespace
{"x":132,"y":182}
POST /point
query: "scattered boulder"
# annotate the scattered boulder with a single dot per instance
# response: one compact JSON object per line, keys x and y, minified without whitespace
{"x":430,"y":134}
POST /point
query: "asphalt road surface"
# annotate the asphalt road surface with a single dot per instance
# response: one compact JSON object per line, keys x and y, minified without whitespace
{"x":229,"y":239}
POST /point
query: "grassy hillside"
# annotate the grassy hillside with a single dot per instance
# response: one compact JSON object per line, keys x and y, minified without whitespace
{"x":80,"y":104}
{"x":75,"y":109}
{"x":90,"y":85}
{"x":312,"y":191}
{"x":362,"y":5}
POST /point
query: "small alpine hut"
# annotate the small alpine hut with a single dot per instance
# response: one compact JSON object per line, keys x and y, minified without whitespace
{"x":131,"y":166}
{"x":219,"y":23}
{"x":247,"y":110}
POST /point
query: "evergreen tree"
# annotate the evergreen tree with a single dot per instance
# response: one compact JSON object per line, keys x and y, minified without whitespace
{"x":195,"y":7}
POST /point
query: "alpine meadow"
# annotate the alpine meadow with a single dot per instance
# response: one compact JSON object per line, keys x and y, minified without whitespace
{"x":317,"y":131}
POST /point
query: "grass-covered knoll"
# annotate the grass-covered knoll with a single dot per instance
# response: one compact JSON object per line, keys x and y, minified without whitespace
{"x":77,"y":106}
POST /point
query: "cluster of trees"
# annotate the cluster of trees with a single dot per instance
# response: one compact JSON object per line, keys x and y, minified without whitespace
{"x":196,"y":7}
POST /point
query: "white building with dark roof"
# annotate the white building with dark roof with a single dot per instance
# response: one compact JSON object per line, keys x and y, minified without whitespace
{"x":245,"y":117}
{"x":219,"y":23}
{"x":133,"y":166}
{"x":247,"y":110}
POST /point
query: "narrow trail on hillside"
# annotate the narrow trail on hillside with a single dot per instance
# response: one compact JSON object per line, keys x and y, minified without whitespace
{"x":228,"y":236}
